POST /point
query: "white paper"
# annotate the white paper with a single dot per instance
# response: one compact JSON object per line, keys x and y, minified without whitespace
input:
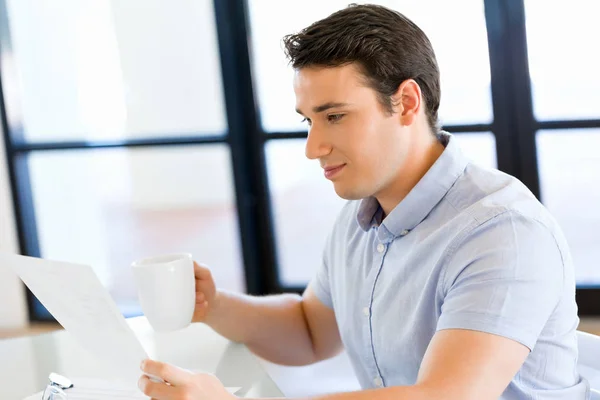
{"x":74,"y":295}
{"x":99,"y":389}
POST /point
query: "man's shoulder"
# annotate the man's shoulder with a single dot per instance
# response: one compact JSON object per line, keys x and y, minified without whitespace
{"x":482,"y":194}
{"x":493,"y":208}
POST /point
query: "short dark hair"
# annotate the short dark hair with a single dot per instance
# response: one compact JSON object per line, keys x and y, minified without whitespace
{"x":388,"y":48}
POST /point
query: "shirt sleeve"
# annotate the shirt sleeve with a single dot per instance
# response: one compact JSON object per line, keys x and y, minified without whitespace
{"x":320,"y":285}
{"x":505,"y":277}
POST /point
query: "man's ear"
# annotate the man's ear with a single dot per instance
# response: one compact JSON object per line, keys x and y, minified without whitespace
{"x":408,"y":101}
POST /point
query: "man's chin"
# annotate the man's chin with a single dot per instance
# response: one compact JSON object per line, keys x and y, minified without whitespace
{"x":347,"y":193}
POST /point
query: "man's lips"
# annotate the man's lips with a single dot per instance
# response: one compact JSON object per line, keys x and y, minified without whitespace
{"x":333,"y":170}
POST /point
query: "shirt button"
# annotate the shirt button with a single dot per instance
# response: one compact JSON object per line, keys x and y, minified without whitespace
{"x":380,"y":247}
{"x":378,"y":382}
{"x":404,"y":232}
{"x":366,"y":311}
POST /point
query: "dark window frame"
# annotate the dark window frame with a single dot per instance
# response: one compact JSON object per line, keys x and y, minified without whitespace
{"x":514,"y":127}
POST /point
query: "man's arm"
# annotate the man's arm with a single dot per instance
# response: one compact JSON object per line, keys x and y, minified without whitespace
{"x":284,"y":329}
{"x":458,"y":365}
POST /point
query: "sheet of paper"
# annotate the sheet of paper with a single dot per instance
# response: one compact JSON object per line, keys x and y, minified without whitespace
{"x":98,"y":389}
{"x":74,"y":295}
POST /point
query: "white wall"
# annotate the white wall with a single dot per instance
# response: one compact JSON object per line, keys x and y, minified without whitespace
{"x":13,"y":309}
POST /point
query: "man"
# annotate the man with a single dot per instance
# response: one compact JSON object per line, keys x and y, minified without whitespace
{"x":441,"y":279}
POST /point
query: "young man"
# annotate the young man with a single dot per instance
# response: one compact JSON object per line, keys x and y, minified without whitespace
{"x":441,"y":279}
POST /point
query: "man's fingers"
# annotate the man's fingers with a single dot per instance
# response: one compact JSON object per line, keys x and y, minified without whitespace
{"x":167,"y":372}
{"x":156,"y":390}
{"x":201,"y":271}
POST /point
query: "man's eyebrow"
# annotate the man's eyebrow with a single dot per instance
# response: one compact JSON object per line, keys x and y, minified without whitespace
{"x":324,"y":107}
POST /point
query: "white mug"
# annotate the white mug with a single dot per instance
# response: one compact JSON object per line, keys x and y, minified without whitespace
{"x":166,"y":290}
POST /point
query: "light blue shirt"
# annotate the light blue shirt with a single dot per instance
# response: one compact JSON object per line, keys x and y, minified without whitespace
{"x":468,"y":248}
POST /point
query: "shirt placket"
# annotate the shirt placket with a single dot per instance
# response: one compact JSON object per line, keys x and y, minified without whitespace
{"x":380,"y":247}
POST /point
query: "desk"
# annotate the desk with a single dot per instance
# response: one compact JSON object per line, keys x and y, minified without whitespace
{"x":26,"y":362}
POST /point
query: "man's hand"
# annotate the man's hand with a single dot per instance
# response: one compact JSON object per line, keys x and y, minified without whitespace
{"x":180,"y":384}
{"x":206,"y":293}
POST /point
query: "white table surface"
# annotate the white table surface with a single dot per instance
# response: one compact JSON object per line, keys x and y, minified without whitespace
{"x":26,"y":362}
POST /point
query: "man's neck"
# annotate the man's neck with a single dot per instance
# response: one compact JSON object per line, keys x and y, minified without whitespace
{"x":419,"y":160}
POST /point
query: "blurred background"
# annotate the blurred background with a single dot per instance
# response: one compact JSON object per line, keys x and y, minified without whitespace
{"x":140,"y":127}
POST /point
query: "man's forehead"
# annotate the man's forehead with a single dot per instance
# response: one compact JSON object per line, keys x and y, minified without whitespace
{"x":317,"y":86}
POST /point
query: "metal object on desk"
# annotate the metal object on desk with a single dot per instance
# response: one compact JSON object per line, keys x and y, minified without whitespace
{"x":55,"y":389}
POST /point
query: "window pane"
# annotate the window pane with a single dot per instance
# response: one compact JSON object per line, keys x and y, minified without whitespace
{"x":569,"y":174}
{"x":562,"y":61}
{"x":117,"y":69}
{"x":107,"y":208}
{"x":465,"y":85}
{"x":305,"y":207}
{"x":305,"y":204}
{"x":479,"y":147}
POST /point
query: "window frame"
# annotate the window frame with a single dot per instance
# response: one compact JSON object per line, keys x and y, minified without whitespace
{"x":514,"y":127}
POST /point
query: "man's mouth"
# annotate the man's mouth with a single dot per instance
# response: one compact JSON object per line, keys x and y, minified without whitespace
{"x":333,"y":170}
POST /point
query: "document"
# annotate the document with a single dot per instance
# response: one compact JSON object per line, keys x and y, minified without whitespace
{"x":74,"y":295}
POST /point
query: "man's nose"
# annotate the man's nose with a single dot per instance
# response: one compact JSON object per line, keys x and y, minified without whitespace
{"x":317,"y":145}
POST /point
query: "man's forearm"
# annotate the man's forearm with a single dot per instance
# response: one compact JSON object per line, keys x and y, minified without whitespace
{"x":273,"y":327}
{"x":416,"y":392}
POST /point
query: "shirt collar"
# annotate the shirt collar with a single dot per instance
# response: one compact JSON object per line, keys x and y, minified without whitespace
{"x":421,"y":200}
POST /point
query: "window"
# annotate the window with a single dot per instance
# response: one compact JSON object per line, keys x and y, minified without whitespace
{"x":570,"y":172}
{"x":113,"y":99}
{"x":104,"y":91}
{"x":305,"y":207}
{"x":562,"y":61}
{"x":117,"y":70}
{"x":111,"y":207}
{"x":566,"y":95}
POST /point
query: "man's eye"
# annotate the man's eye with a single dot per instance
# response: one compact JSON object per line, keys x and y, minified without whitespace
{"x":335,"y":117}
{"x":308,"y":121}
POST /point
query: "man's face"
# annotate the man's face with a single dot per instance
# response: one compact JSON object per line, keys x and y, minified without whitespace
{"x":360,"y":146}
